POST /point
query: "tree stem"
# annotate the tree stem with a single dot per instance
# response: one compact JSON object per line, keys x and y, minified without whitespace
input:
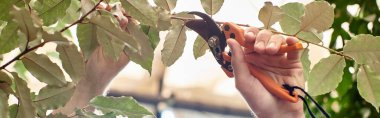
{"x":82,"y":18}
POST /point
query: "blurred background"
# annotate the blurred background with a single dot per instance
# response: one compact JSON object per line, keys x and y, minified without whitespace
{"x":194,"y":87}
{"x":199,"y":88}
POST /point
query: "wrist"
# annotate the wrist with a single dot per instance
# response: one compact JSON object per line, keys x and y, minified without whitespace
{"x":277,"y":114}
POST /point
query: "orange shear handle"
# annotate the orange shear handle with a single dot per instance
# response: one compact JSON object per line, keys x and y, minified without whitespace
{"x":232,"y":30}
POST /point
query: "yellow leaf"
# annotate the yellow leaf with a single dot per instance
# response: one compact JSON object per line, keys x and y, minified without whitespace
{"x":319,"y":15}
{"x":270,"y":14}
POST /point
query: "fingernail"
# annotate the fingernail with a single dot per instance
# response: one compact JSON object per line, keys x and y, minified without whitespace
{"x":229,"y":45}
{"x":251,"y":34}
{"x":259,"y":44}
{"x":271,"y":45}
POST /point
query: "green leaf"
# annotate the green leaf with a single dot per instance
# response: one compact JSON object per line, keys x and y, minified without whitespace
{"x":26,"y":108}
{"x":53,"y":97}
{"x":8,"y":38}
{"x":87,"y":38}
{"x":137,"y":46}
{"x":182,"y":15}
{"x":51,"y":10}
{"x":270,"y":14}
{"x":20,"y":69}
{"x":13,"y":110}
{"x":166,"y":4}
{"x":104,"y":24}
{"x":199,"y":48}
{"x":27,"y":21}
{"x":6,"y":6}
{"x":212,"y":6}
{"x":2,"y":25}
{"x":111,"y":47}
{"x":326,"y":75}
{"x":375,"y":67}
{"x":163,"y":19}
{"x":319,"y":15}
{"x":43,"y":69}
{"x":153,"y":34}
{"x":57,"y":115}
{"x":5,"y":83}
{"x":83,"y":114}
{"x":4,"y":104}
{"x":72,"y":12}
{"x":146,"y":55}
{"x":4,"y":78}
{"x":140,"y":10}
{"x":347,"y":81}
{"x":364,"y":48}
{"x":174,"y":44}
{"x":305,"y":63}
{"x":72,"y":61}
{"x":86,"y":6}
{"x":126,"y":106}
{"x":368,"y":85}
{"x":291,"y":21}
{"x":311,"y":36}
{"x":56,"y":36}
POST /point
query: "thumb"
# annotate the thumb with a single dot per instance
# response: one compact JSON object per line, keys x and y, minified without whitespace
{"x":238,"y":63}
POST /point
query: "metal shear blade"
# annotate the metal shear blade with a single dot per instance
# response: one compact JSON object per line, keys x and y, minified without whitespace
{"x":211,"y":33}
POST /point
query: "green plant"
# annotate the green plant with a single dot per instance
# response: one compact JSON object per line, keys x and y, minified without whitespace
{"x":133,"y":27}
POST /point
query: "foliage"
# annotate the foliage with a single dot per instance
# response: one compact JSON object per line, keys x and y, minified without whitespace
{"x":132,"y":27}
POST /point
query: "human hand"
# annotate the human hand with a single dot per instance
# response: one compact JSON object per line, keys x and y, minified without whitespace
{"x":283,"y":68}
{"x":100,"y":70}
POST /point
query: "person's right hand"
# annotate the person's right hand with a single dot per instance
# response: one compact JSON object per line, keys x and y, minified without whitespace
{"x":284,"y":68}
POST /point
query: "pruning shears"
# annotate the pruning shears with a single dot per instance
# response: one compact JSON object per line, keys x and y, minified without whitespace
{"x":216,"y":38}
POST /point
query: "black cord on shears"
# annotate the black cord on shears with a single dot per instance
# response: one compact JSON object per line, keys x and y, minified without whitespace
{"x":292,"y":88}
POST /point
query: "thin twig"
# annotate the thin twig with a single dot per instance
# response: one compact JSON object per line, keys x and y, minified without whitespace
{"x":27,"y":50}
{"x":276,"y":32}
{"x":82,"y":18}
{"x":18,"y":57}
{"x":319,"y":45}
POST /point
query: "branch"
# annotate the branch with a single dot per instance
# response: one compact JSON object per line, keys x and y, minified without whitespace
{"x":82,"y":18}
{"x":19,"y":56}
{"x":276,"y":32}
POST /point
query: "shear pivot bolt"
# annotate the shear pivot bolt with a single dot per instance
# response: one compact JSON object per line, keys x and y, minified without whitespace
{"x":229,"y":67}
{"x":212,"y":41}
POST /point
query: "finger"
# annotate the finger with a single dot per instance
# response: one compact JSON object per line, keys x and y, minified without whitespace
{"x":262,"y":39}
{"x":278,"y":61}
{"x":250,"y":35}
{"x":274,"y":44}
{"x":238,"y":63}
{"x":292,"y":55}
{"x":249,"y":50}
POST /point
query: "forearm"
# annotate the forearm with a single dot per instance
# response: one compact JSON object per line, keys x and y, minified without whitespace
{"x":83,"y":93}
